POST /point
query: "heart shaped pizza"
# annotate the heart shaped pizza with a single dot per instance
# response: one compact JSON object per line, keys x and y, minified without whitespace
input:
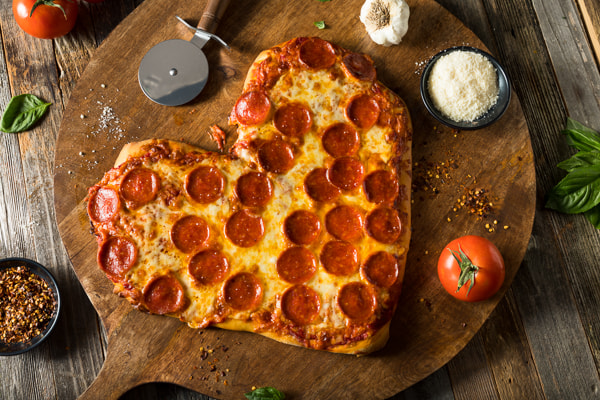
{"x":299,"y":233}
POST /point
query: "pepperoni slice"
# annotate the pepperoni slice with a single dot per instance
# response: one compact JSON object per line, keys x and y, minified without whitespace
{"x":242,"y":291}
{"x":164,"y":295}
{"x":244,"y":229}
{"x":319,"y":187}
{"x":140,"y":186}
{"x":339,"y":258}
{"x":254,"y":189}
{"x":347,"y":173}
{"x":116,"y":256}
{"x":302,"y":227}
{"x":360,"y":66}
{"x":300,"y":304}
{"x":317,"y":53}
{"x":205,"y":184}
{"x":383,"y":224}
{"x":103,"y":205}
{"x":252,"y":108}
{"x":276,"y":156}
{"x":381,"y":186}
{"x":341,"y":140}
{"x":345,"y":223}
{"x":293,"y":120}
{"x":381,"y":269}
{"x":296,"y":265}
{"x":363,"y":110}
{"x":357,"y":301}
{"x":190,"y":233}
{"x":208,"y":267}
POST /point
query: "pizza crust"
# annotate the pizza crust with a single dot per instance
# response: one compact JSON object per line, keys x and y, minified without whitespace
{"x":251,"y":75}
{"x":138,"y":149}
{"x":362,"y":347}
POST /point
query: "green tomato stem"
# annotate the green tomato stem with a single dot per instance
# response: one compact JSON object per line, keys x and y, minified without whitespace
{"x":49,"y":3}
{"x":468,"y":270}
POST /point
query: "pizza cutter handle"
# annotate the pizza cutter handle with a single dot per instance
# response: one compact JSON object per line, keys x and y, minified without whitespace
{"x":212,"y":15}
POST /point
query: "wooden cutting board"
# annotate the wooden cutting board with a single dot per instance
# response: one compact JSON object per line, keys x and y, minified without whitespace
{"x":107,"y":109}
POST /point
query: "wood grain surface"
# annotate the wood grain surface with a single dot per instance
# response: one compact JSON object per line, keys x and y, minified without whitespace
{"x":542,"y":341}
{"x":590,"y":14}
{"x":107,"y":109}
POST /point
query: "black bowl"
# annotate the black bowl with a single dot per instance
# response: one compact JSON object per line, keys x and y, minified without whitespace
{"x":491,"y":116}
{"x":11,"y":349}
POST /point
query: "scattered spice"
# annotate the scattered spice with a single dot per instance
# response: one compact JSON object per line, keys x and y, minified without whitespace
{"x":213,"y":366}
{"x":429,"y":176}
{"x":109,"y":120}
{"x":104,"y":130}
{"x":26,"y":305}
{"x":426,"y":302}
{"x":476,"y":202}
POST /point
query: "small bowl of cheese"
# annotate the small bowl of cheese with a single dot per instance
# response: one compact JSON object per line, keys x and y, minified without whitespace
{"x":465,"y":88}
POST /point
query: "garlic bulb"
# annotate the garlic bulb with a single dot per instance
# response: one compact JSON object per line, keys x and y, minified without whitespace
{"x":386,"y":20}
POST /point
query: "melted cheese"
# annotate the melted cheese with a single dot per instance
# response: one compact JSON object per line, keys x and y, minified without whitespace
{"x":327,"y":99}
{"x":326,"y":95}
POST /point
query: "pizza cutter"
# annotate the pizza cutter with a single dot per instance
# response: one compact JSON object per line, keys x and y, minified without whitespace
{"x":175,"y":71}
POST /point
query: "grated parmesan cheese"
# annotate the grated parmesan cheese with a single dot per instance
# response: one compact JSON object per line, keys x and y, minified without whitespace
{"x":463,"y":85}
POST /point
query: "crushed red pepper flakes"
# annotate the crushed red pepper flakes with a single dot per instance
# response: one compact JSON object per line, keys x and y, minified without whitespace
{"x":477,"y":203}
{"x":432,"y":176}
{"x":26,"y":305}
{"x":213,"y":365}
{"x":429,"y":176}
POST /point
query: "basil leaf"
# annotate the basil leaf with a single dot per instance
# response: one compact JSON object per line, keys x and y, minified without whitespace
{"x":577,"y":192}
{"x":22,"y":112}
{"x":581,"y":159}
{"x":265,"y":393}
{"x":320,"y":24}
{"x":593,"y":215}
{"x":581,"y":137}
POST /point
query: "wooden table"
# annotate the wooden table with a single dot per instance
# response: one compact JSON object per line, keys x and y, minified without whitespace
{"x":543,"y":339}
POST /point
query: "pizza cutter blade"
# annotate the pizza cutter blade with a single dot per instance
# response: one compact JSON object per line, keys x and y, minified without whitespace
{"x":175,"y":71}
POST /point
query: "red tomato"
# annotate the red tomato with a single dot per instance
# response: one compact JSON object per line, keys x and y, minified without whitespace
{"x":48,"y":21}
{"x":471,"y":268}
